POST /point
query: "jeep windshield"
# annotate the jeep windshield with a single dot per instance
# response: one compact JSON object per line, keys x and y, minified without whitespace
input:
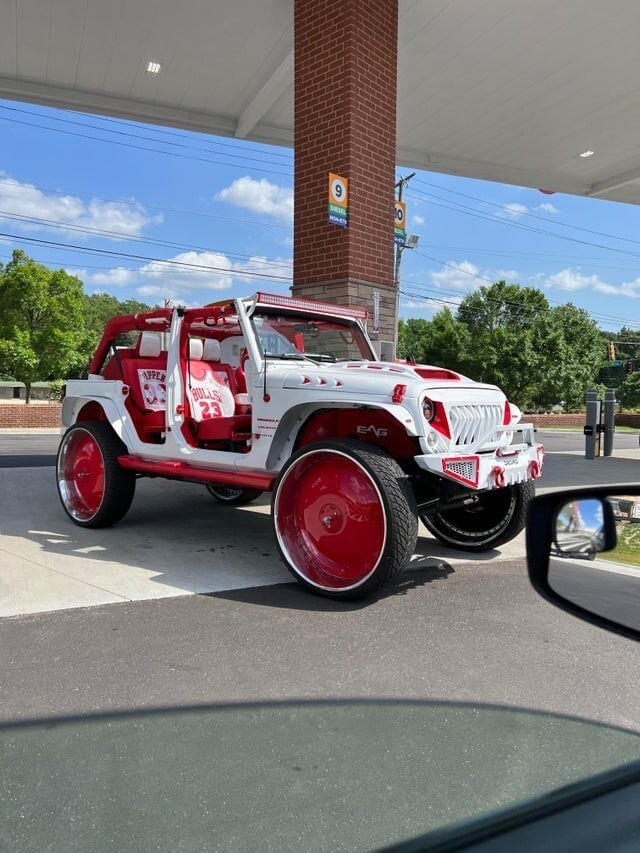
{"x":301,"y":336}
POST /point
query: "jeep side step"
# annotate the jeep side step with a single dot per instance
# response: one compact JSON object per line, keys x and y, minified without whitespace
{"x":191,"y":473}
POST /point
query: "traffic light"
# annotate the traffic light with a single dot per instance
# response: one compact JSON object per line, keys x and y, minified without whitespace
{"x":628,"y":366}
{"x":611,"y":351}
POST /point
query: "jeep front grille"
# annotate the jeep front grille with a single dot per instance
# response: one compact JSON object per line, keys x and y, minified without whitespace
{"x":473,"y":422}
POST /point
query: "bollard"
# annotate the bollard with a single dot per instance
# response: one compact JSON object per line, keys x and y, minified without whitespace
{"x":609,"y":420}
{"x":592,"y":425}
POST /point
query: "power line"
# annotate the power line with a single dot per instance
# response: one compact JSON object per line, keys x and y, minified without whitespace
{"x":471,"y":211}
{"x":508,"y":209}
{"x":143,"y":147}
{"x":237,"y":146}
{"x":527,"y":255}
{"x":68,"y":226}
{"x":593,"y":314}
{"x":143,"y":205}
{"x":130,"y":256}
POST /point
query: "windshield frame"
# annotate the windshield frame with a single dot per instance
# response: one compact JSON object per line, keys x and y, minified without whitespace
{"x":301,"y":324}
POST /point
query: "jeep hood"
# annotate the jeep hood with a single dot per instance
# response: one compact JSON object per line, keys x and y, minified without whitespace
{"x":379,"y":378}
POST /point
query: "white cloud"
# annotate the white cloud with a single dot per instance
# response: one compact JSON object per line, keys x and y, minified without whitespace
{"x":26,"y":200}
{"x":505,"y":275}
{"x":191,"y":271}
{"x":189,"y":277}
{"x":460,"y":275}
{"x":207,"y":271}
{"x":260,"y":197}
{"x":418,"y":219}
{"x":117,"y":277}
{"x":548,"y":208}
{"x":78,"y":272}
{"x":431,"y":306}
{"x":630,"y":289}
{"x":572,"y":280}
{"x":515,"y":210}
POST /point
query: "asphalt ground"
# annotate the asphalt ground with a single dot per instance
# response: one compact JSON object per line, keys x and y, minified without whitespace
{"x":454,"y":628}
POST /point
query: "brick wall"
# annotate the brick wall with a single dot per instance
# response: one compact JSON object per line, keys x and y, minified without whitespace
{"x":542,"y":421}
{"x":345,"y":122}
{"x":628,"y":419}
{"x":17,"y":416}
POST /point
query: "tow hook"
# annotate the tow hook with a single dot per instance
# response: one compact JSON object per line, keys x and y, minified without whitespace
{"x":498,"y":473}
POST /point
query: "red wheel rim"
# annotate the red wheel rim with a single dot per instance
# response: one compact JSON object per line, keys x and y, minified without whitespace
{"x":81,"y":477}
{"x":330,"y":520}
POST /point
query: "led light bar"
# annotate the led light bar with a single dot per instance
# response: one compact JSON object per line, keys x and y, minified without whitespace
{"x":308,"y":305}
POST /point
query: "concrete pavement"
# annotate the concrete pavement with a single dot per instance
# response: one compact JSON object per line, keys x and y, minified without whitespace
{"x":177,"y":540}
{"x":454,"y":627}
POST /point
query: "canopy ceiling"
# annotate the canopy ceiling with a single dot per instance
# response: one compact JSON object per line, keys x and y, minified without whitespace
{"x":505,"y":90}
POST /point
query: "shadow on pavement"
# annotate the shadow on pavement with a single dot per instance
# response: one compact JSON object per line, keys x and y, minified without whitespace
{"x":291,"y":596}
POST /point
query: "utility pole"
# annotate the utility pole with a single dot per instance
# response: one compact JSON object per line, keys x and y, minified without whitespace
{"x":396,"y":279}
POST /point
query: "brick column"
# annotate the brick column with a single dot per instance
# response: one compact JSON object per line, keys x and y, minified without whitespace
{"x":345,"y":122}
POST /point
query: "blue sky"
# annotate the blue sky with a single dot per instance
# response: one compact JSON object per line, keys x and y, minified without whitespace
{"x":154,"y":213}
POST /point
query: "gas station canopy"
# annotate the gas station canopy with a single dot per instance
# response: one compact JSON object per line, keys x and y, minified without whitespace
{"x":505,"y":90}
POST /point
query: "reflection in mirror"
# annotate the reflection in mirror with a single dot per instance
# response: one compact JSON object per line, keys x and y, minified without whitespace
{"x":595,"y":558}
{"x":579,"y":529}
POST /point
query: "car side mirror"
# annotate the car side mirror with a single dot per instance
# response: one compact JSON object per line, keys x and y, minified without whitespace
{"x":583,"y":554}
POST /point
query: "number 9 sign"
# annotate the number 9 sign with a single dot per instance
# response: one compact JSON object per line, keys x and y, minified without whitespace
{"x":338,"y":190}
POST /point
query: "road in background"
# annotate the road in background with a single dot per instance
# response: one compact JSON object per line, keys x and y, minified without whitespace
{"x":28,"y":449}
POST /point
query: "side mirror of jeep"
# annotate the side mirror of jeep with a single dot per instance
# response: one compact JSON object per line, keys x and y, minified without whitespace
{"x":583,"y":554}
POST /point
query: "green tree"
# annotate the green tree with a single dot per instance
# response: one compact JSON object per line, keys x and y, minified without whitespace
{"x":412,"y":336}
{"x":629,"y":391}
{"x":575,"y":346}
{"x":441,"y":341}
{"x":41,"y":323}
{"x":510,"y":336}
{"x":508,"y":326}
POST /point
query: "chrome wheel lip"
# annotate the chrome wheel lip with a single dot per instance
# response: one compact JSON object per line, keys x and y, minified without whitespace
{"x":66,"y":491}
{"x":283,"y":546}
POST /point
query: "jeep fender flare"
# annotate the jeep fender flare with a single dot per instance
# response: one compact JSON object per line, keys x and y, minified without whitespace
{"x":290,"y":432}
{"x":72,"y":413}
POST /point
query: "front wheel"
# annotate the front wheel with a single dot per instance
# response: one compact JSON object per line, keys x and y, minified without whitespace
{"x":345,"y":518}
{"x":232,"y":497}
{"x":488,"y":520}
{"x":94,"y":490}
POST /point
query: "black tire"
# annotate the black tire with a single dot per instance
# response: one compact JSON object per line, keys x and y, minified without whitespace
{"x":497,"y":517}
{"x":345,"y":518}
{"x":93,"y":489}
{"x":230,"y":496}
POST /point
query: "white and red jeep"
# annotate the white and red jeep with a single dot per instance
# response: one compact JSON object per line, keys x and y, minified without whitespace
{"x":271,"y":393}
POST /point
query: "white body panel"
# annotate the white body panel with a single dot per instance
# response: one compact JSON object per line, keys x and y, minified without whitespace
{"x":283,"y":394}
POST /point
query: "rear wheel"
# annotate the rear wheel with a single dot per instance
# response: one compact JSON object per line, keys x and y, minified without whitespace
{"x":345,"y":518}
{"x":232,"y":497}
{"x":94,"y":490}
{"x":490,"y":519}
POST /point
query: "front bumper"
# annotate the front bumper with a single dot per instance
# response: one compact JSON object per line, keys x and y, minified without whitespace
{"x":516,"y":463}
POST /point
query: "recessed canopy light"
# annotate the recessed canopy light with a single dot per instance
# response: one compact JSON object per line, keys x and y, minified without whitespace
{"x":155,"y":68}
{"x":587,"y":153}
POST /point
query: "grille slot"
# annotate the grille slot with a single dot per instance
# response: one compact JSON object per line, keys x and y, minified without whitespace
{"x":471,"y":422}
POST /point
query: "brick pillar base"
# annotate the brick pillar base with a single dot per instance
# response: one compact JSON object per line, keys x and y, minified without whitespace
{"x":345,"y":123}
